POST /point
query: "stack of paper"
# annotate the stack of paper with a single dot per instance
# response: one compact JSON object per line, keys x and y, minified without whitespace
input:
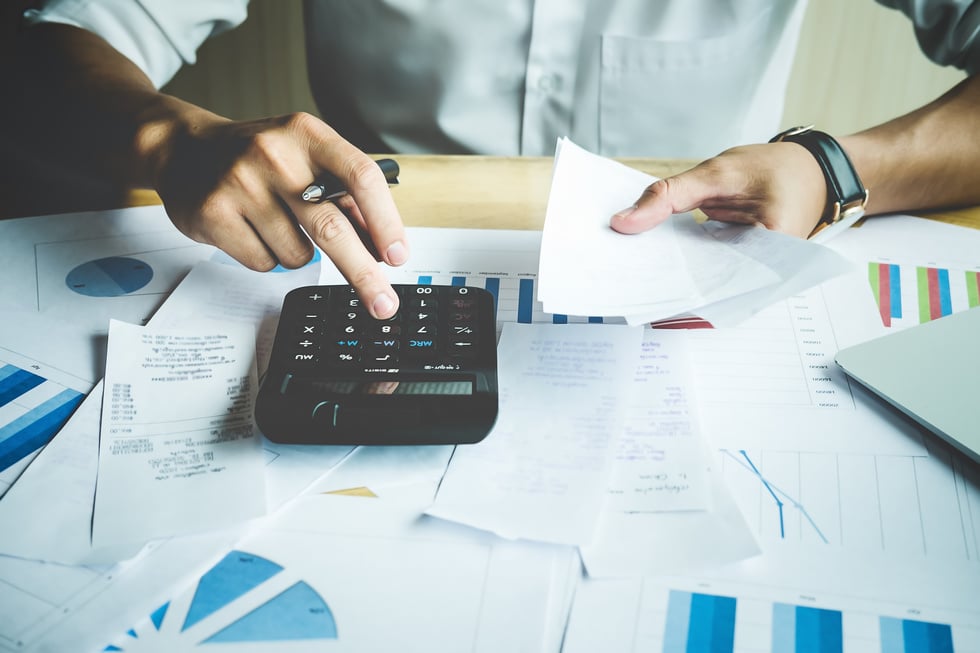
{"x":722,"y":272}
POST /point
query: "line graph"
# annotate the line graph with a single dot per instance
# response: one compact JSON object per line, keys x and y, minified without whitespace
{"x":921,"y":506}
{"x":775,"y":492}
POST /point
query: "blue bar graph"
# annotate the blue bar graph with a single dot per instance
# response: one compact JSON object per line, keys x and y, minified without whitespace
{"x":804,"y":629}
{"x":945,"y":300}
{"x":910,"y":636}
{"x":525,"y":302}
{"x":516,"y":294}
{"x":699,"y":623}
{"x":493,"y":286}
{"x":36,"y":427}
{"x":14,"y":382}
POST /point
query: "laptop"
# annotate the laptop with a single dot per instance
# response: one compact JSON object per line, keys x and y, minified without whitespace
{"x":931,"y":372}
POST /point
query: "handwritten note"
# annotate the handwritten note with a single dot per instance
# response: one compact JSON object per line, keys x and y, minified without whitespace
{"x":666,"y":509}
{"x":660,"y":463}
{"x":178,"y":452}
{"x":542,"y":472}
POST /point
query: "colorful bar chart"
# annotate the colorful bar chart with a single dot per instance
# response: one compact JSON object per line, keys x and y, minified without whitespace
{"x":32,"y":410}
{"x":513,"y":297}
{"x":910,"y":636}
{"x":805,"y":629}
{"x":915,"y":294}
{"x":699,"y":623}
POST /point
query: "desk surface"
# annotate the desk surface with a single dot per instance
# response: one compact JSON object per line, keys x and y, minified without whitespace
{"x":506,"y":192}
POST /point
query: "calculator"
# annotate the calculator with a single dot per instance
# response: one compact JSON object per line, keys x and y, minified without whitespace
{"x":336,"y":375}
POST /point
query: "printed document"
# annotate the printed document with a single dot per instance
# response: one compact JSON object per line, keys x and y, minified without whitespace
{"x":178,"y":452}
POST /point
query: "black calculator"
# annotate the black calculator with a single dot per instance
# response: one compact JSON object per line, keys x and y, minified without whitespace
{"x":336,"y":375}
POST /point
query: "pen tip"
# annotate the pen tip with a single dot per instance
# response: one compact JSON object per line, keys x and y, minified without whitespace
{"x":312,"y":193}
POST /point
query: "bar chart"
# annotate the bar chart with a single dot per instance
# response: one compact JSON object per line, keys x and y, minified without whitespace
{"x":699,"y":623}
{"x":33,"y":406}
{"x":909,"y":294}
{"x":805,"y":629}
{"x":513,"y":295}
{"x":682,"y":614}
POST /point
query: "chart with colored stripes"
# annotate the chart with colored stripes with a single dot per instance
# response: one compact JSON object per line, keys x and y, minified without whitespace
{"x":513,"y":297}
{"x":706,"y":623}
{"x":35,"y":401}
{"x":267,"y":607}
{"x":909,"y":294}
{"x":686,"y":615}
{"x":505,"y":262}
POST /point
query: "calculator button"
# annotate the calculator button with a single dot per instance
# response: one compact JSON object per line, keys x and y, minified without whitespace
{"x":386,"y":358}
{"x":421,"y":315}
{"x":303,"y":360}
{"x":348,"y":344}
{"x":383,"y":331}
{"x":345,"y":331}
{"x":424,"y":346}
{"x":463,"y":349}
{"x":423,"y":303}
{"x":463,"y":303}
{"x":382,"y":350}
{"x":428,"y":330}
{"x":344,"y":359}
{"x":308,"y":329}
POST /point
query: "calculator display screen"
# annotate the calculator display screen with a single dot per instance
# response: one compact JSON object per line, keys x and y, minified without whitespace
{"x":398,"y":387}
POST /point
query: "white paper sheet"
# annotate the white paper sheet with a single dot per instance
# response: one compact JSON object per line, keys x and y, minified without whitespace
{"x":46,"y":368}
{"x":381,"y":579}
{"x":542,"y":471}
{"x":642,"y":543}
{"x":89,"y":267}
{"x":232,"y":294}
{"x":678,"y":267}
{"x":60,"y":484}
{"x":178,"y":452}
{"x":660,"y":463}
{"x":772,"y":603}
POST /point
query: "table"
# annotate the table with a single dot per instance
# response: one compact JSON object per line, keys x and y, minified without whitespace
{"x":506,"y":192}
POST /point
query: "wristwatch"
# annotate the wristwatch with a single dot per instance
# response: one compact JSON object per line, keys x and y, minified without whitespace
{"x":846,"y":195}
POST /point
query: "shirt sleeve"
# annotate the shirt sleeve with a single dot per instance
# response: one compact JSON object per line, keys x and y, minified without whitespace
{"x":159,"y":36}
{"x":948,"y":31}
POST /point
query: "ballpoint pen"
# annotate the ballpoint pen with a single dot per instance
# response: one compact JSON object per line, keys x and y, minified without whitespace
{"x":328,"y":187}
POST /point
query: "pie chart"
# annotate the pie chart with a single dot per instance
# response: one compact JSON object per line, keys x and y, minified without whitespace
{"x":113,"y":276}
{"x":295,"y":613}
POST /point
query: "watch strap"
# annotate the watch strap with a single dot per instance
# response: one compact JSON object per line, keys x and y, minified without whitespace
{"x":846,"y":194}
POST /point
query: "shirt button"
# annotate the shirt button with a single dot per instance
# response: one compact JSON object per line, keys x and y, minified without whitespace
{"x":548,"y":83}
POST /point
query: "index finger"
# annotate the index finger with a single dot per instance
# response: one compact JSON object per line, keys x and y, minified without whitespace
{"x":332,"y":231}
{"x":366,"y":183}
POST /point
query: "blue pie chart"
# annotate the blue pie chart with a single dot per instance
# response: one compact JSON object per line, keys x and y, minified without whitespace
{"x":113,"y":276}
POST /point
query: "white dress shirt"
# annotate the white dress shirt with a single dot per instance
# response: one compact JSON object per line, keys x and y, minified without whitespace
{"x":661,"y":78}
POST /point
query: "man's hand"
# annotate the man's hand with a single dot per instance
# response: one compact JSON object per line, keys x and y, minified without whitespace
{"x":238,"y":186}
{"x":776,"y":185}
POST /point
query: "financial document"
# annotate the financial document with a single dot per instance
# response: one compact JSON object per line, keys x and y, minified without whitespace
{"x":195,"y":457}
{"x":722,"y":272}
{"x":541,"y":474}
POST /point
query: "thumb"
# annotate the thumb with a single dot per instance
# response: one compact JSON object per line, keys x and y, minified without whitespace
{"x":663,"y":198}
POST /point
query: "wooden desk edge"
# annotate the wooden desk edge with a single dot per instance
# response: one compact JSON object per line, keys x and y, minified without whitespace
{"x":505,"y":192}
